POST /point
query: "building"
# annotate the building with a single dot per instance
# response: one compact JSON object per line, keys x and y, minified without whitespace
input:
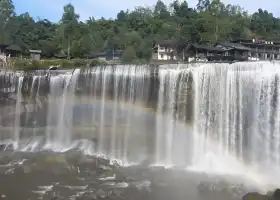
{"x":165,"y":50}
{"x":261,"y":49}
{"x":35,"y":54}
{"x":234,"y":51}
{"x":193,"y":52}
{"x":107,"y":56}
{"x":11,"y":50}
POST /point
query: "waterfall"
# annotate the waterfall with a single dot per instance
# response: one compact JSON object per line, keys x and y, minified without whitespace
{"x":208,"y":117}
{"x":60,"y":111}
{"x":18,"y":110}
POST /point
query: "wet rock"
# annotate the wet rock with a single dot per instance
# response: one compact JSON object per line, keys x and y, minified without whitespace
{"x":5,"y":147}
{"x":74,"y":157}
{"x":256,"y":196}
{"x":120,"y":177}
{"x":101,"y":194}
{"x":87,"y":162}
{"x":276,"y":194}
{"x":5,"y":160}
{"x":56,"y":159}
{"x":2,"y":147}
{"x":105,"y":168}
{"x":115,"y":163}
{"x":213,"y":189}
{"x":55,"y":163}
{"x":103,"y":161}
{"x":26,"y":169}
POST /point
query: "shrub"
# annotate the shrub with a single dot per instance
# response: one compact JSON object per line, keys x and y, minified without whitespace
{"x":79,"y":63}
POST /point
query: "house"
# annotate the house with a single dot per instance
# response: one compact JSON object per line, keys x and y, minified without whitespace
{"x":107,"y":55}
{"x":261,"y":49}
{"x":11,"y":50}
{"x":164,"y":50}
{"x":35,"y":54}
{"x":201,"y":52}
{"x":219,"y":52}
{"x":234,"y":51}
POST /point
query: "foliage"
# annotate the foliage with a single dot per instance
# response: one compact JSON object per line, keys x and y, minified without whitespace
{"x":134,"y":31}
{"x":129,"y":54}
{"x":27,"y":65}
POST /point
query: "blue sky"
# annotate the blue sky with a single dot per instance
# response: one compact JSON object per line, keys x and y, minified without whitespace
{"x":52,"y":9}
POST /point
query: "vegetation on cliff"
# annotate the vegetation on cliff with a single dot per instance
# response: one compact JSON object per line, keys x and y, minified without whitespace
{"x":134,"y":31}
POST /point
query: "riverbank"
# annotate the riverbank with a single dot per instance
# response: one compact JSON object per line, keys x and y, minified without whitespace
{"x":28,"y":65}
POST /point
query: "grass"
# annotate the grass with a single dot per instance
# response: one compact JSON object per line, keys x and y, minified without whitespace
{"x":28,"y":65}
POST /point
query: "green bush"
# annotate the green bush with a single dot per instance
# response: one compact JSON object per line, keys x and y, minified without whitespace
{"x":65,"y":64}
{"x":29,"y":65}
{"x":95,"y":62}
{"x":79,"y":62}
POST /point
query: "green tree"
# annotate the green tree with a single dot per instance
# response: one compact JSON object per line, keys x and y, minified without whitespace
{"x":135,"y":31}
{"x":69,"y":23}
{"x":129,"y":54}
{"x":7,"y":11}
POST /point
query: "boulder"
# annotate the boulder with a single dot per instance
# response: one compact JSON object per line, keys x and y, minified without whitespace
{"x":256,"y":196}
{"x":276,"y":194}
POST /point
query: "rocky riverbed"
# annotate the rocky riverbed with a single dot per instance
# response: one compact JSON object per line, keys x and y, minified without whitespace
{"x":73,"y":175}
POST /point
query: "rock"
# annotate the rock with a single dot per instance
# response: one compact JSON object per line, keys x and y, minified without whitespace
{"x":56,"y":159}
{"x":5,"y":160}
{"x":276,"y":194}
{"x":2,"y":147}
{"x":120,"y":177}
{"x":256,"y":196}
{"x":5,"y":147}
{"x":53,"y":67}
{"x":105,"y":168}
{"x":100,"y":193}
{"x":56,"y":164}
{"x":115,"y":163}
{"x":103,"y":161}
{"x":26,"y":169}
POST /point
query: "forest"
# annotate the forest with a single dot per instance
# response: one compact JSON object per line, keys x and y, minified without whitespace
{"x":135,"y":31}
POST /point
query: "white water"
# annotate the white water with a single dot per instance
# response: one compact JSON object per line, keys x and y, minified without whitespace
{"x":18,"y":110}
{"x":216,"y":118}
{"x":60,"y":111}
{"x":236,"y":120}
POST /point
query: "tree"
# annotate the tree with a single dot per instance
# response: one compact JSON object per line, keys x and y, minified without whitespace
{"x":69,"y":22}
{"x":203,"y":5}
{"x":7,"y":11}
{"x":135,"y":31}
{"x":161,"y":10}
{"x":129,"y":54}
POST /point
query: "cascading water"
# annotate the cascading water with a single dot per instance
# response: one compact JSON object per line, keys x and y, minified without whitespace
{"x":18,"y":114}
{"x":208,"y":117}
{"x":236,"y":117}
{"x":60,"y":112}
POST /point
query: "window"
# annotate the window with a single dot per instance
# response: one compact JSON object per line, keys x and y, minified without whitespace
{"x":161,"y":55}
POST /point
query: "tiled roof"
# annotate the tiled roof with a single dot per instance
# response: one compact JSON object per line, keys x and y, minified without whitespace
{"x":236,"y":46}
